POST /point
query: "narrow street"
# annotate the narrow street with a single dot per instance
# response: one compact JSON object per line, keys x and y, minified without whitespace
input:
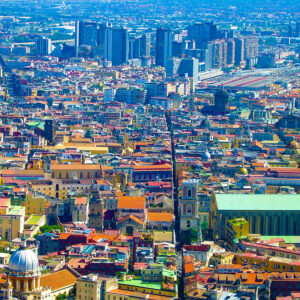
{"x":176,"y":206}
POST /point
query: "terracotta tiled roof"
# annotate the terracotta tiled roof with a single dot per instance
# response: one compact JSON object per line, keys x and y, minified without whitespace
{"x":75,"y":166}
{"x":132,"y":217}
{"x":160,"y":217}
{"x":127,"y":202}
{"x":103,"y":236}
{"x":64,"y":235}
{"x":81,"y":200}
{"x":189,"y":268}
{"x":77,"y":263}
{"x":59,"y":279}
{"x":163,"y":167}
{"x":257,"y":143}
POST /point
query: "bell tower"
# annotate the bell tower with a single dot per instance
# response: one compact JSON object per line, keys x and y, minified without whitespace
{"x":96,"y":211}
{"x":189,"y":210}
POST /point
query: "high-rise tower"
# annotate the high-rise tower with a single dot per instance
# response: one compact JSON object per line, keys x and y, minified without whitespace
{"x":163,"y":46}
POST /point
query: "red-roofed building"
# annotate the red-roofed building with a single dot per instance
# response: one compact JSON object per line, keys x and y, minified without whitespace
{"x":80,"y":209}
{"x":142,"y":173}
{"x":201,"y":253}
{"x":131,"y":206}
{"x":130,"y":225}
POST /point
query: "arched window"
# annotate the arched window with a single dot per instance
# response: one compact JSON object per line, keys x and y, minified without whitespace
{"x":188,"y":223}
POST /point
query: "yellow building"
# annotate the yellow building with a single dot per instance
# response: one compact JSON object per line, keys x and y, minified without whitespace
{"x":34,"y":205}
{"x":118,"y":294}
{"x":224,"y":142}
{"x":222,"y":258}
{"x":153,"y":288}
{"x":82,"y":145}
{"x":268,"y":263}
{"x":60,"y":188}
{"x":75,"y":171}
{"x":92,"y":287}
{"x":11,"y":220}
{"x":235,"y":229}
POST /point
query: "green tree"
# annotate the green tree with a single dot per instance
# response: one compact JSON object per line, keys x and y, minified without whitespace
{"x":189,"y":236}
{"x":61,"y":297}
{"x":204,"y":228}
{"x":88,"y":133}
{"x":49,"y":228}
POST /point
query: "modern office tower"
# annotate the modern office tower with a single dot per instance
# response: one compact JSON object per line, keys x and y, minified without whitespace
{"x":251,"y":51}
{"x":90,"y":34}
{"x":76,"y":37}
{"x":43,"y":45}
{"x":101,"y":28}
{"x":163,"y":46}
{"x":86,"y":33}
{"x":156,"y":89}
{"x":178,"y":48}
{"x":209,"y":56}
{"x":224,"y":53}
{"x":221,"y":102}
{"x":189,"y":44}
{"x":172,"y":66}
{"x":116,"y":46}
{"x":202,"y":33}
{"x":239,"y":56}
{"x":294,"y":29}
{"x":134,"y":47}
{"x":189,"y":67}
{"x":230,"y":52}
{"x":139,"y":46}
{"x":132,"y":50}
{"x":251,"y":47}
{"x":220,"y":51}
{"x":145,"y":44}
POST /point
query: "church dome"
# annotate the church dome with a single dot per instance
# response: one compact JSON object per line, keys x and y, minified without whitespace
{"x":23,"y":262}
{"x":206,"y":156}
{"x":243,"y":171}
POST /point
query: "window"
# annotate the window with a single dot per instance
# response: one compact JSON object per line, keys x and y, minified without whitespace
{"x":189,"y":193}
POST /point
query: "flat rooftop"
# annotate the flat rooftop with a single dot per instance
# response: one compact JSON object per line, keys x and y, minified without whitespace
{"x":258,"y":202}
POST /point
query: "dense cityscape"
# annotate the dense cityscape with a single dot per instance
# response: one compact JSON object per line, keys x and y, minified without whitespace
{"x":149,"y":149}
